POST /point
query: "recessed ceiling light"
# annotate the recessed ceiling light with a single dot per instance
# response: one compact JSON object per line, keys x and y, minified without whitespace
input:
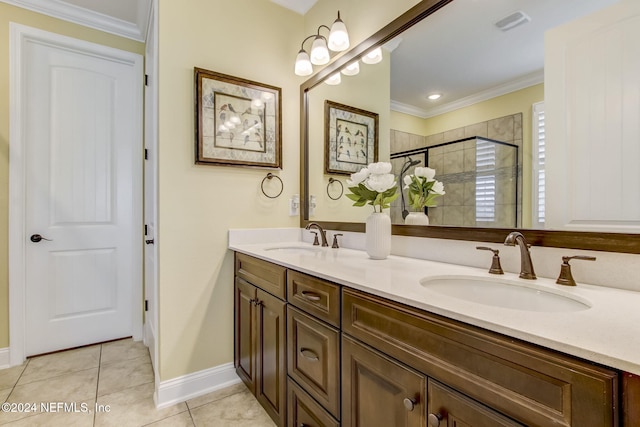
{"x":434,"y":96}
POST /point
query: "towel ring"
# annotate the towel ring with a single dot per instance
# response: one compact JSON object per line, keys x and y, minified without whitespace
{"x":331,"y":181}
{"x":269,"y":176}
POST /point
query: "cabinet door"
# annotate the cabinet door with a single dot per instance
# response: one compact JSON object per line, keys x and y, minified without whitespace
{"x":378,"y":391}
{"x":306,"y":412}
{"x":448,"y":408}
{"x":271,"y":369}
{"x":314,"y":358}
{"x":245,"y":333}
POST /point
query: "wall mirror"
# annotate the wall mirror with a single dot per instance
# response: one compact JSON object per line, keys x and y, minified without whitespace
{"x":490,"y":79}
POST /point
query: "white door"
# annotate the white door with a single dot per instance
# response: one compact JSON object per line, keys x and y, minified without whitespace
{"x":150,"y":188}
{"x":83,"y":150}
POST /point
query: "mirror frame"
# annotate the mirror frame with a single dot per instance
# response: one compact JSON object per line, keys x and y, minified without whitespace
{"x":610,"y":242}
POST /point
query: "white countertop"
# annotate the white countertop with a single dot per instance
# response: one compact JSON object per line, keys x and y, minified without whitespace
{"x":606,"y":333}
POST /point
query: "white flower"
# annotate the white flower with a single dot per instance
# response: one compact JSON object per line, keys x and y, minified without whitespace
{"x":427,"y":173}
{"x":380,"y":182}
{"x":438,"y":188}
{"x":380,"y":168}
{"x":407,"y":180}
{"x":358,"y":177}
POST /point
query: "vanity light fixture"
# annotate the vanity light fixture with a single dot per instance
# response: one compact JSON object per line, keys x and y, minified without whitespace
{"x":338,"y":42}
{"x":373,"y":57}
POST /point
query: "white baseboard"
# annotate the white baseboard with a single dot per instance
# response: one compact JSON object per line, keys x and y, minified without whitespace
{"x":193,"y":385}
{"x":4,"y":358}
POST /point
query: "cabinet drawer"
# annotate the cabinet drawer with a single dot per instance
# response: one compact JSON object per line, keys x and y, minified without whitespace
{"x":528,"y":383}
{"x":304,"y":411}
{"x":314,"y":358}
{"x":453,"y":409}
{"x":315,"y":296}
{"x":265,"y":275}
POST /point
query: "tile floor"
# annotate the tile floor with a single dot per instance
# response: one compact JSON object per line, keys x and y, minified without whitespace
{"x":117,"y":376}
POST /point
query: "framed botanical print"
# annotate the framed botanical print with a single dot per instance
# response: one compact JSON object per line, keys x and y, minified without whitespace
{"x":238,"y":121}
{"x":351,"y":138}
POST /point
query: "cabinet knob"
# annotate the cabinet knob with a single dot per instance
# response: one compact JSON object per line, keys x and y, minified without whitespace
{"x":409,"y":404}
{"x":434,"y":420}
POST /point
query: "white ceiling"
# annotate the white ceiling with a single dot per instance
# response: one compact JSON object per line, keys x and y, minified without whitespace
{"x":299,"y":6}
{"x":460,"y":53}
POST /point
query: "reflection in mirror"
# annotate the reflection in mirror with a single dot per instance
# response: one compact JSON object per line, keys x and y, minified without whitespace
{"x":480,"y":178}
{"x":491,"y":86}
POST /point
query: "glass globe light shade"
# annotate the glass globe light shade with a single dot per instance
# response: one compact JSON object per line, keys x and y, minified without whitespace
{"x":351,"y":69}
{"x":373,"y":57}
{"x":303,"y":64}
{"x":333,"y":79}
{"x":338,"y":37}
{"x":319,"y":51}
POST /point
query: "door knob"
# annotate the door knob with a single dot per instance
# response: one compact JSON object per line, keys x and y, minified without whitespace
{"x":35,"y":238}
{"x":434,"y":420}
{"x":149,"y":242}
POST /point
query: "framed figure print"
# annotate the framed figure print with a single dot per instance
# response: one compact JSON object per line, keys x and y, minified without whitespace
{"x":351,"y":138}
{"x":238,"y":121}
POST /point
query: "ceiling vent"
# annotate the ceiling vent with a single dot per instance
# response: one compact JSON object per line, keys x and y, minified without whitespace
{"x":514,"y":20}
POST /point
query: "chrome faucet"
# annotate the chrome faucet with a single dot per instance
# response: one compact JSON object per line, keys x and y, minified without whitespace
{"x":323,"y":234}
{"x":526,"y":266}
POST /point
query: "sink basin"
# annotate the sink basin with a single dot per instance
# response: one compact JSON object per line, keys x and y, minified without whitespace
{"x":504,"y":293}
{"x":295,"y":249}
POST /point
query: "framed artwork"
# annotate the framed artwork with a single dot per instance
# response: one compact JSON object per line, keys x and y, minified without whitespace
{"x":351,"y":138}
{"x":238,"y":121}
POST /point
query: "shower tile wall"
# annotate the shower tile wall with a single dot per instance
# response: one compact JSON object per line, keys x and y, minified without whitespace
{"x":457,"y":206}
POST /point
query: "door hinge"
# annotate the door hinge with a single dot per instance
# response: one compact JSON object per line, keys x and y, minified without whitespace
{"x":146,"y":229}
{"x":146,"y":154}
{"x":146,"y":79}
{"x":146,"y":305}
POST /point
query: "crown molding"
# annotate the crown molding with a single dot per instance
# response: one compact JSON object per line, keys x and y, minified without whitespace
{"x":85,"y":17}
{"x":532,"y":79}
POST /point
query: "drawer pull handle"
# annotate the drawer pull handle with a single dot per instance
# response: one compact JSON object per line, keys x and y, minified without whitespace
{"x":311,"y":296}
{"x":409,"y":404}
{"x":309,"y":354}
{"x":434,"y":420}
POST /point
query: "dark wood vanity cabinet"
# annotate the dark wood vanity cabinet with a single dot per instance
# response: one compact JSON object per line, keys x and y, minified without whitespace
{"x":316,"y":354}
{"x":523,"y":382}
{"x":260,"y":329}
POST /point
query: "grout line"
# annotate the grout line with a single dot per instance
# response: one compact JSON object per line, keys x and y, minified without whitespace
{"x":97,"y":386}
{"x":17,"y":380}
{"x":193,"y":421}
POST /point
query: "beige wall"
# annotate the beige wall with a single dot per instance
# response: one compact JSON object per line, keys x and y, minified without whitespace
{"x":362,"y":17}
{"x":14,"y":14}
{"x":255,"y":40}
{"x":354,"y":91}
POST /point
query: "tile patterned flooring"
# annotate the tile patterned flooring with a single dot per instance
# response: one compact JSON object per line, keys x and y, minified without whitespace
{"x":117,"y":375}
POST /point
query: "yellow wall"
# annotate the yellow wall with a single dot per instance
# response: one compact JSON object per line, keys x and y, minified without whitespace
{"x":511,"y":103}
{"x":362,"y":17}
{"x":255,"y":40}
{"x":21,"y":16}
{"x":354,"y":91}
